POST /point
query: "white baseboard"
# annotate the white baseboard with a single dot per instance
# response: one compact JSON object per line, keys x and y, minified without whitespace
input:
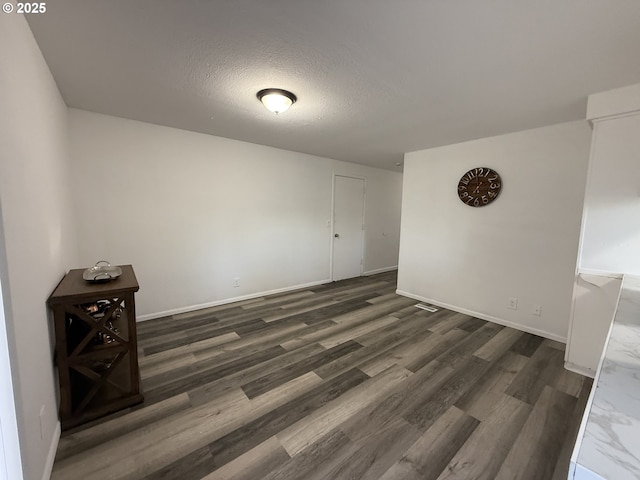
{"x":191,"y":308}
{"x":572,"y":367}
{"x":380,"y":270}
{"x":51,"y":456}
{"x":489,"y":318}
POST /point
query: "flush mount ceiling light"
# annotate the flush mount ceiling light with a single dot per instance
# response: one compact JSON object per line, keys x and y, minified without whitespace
{"x":276,"y":99}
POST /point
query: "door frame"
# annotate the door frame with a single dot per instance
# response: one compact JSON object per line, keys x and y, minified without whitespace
{"x":333,"y":223}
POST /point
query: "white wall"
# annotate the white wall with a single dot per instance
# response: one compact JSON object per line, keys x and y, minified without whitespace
{"x":10,"y":459}
{"x":619,"y":101}
{"x":523,"y":245}
{"x":39,"y":236}
{"x":191,"y":212}
{"x":595,"y":298}
{"x":610,"y":237}
{"x":611,"y":232}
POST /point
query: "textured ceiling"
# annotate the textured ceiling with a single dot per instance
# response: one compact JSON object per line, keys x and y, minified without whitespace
{"x":374,"y":78}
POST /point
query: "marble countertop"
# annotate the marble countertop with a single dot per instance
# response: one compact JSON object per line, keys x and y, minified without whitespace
{"x":608,"y":444}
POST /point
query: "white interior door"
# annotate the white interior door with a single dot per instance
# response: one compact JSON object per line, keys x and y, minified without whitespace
{"x":348,"y":227}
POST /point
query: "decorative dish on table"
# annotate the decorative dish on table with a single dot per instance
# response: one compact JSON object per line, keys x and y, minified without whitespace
{"x":102,"y":271}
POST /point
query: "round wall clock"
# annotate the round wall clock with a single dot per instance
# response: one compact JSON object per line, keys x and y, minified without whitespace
{"x":479,"y":187}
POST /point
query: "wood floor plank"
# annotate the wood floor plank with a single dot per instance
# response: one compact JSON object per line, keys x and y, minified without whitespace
{"x":173,"y":325}
{"x":252,"y":464}
{"x":464,"y":349}
{"x":203,"y":333}
{"x":169,"y":441}
{"x":472,"y":324}
{"x":159,"y":360}
{"x":304,"y":308}
{"x":408,"y":310}
{"x":414,"y":355}
{"x":374,"y":358}
{"x":218,"y":310}
{"x":540,"y":371}
{"x":345,"y":380}
{"x":527,"y":344}
{"x":279,"y":300}
{"x":569,"y":383}
{"x":495,"y":347}
{"x":317,"y":300}
{"x":196,"y":464}
{"x":424,"y":411}
{"x":196,"y":375}
{"x":330,"y":447}
{"x":561,"y":470}
{"x":345,"y":289}
{"x":480,"y":399}
{"x":311,"y":428}
{"x":345,"y":322}
{"x":375,"y":454}
{"x":373,"y":417}
{"x":431,"y":349}
{"x":147,"y":342}
{"x":383,"y":298}
{"x":254,"y":431}
{"x":553,"y":344}
{"x":372,"y":311}
{"x":354,"y":333}
{"x":172,"y":440}
{"x":290,"y":371}
{"x":408,"y":325}
{"x":323,"y":313}
{"x":322,"y":470}
{"x":482,"y":454}
{"x":459,"y":350}
{"x":277,"y":334}
{"x":401,"y":471}
{"x":541,"y":437}
{"x":175,"y":363}
{"x":75,"y":443}
{"x":449,"y":322}
{"x":252,"y":342}
{"x":151,"y":327}
{"x":216,"y":388}
{"x":433,"y":451}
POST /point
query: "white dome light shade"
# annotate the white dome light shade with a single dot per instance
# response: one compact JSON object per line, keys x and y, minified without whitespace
{"x":276,"y":99}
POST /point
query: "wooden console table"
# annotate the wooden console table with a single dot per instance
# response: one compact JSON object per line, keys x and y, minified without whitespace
{"x":96,"y":346}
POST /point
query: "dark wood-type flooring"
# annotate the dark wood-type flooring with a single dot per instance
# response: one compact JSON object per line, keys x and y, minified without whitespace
{"x":342,"y":381}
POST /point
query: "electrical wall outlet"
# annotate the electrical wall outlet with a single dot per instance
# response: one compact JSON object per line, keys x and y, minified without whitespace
{"x":236,"y":282}
{"x":537,"y":310}
{"x":512,"y":303}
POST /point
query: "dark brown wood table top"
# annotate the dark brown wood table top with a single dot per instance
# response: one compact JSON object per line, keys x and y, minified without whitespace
{"x":75,"y":288}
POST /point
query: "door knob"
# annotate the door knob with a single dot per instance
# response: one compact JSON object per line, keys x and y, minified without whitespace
{"x":337,"y":235}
